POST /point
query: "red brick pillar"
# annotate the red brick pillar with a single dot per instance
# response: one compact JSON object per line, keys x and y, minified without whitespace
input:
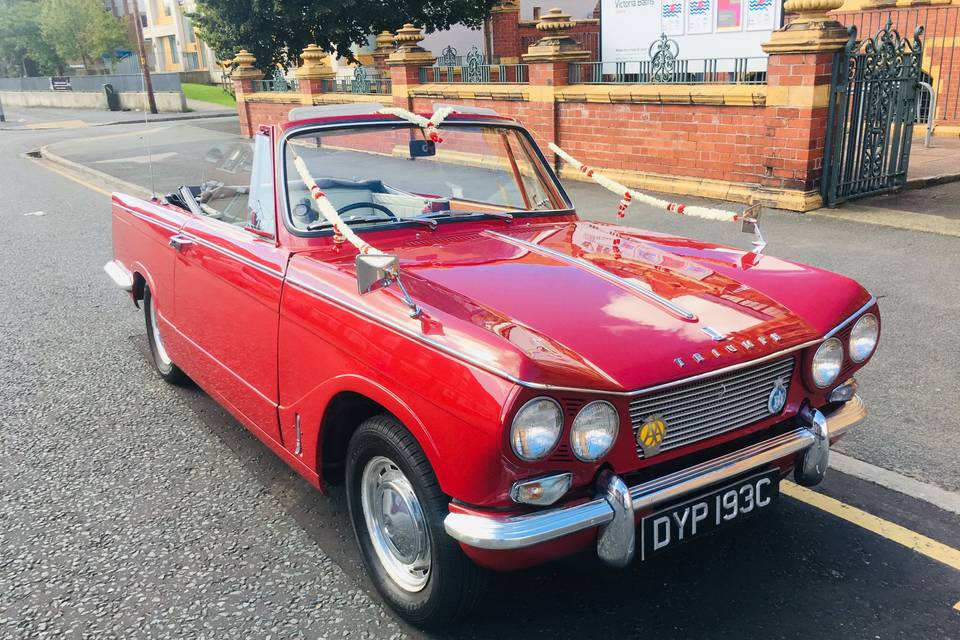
{"x":314,"y":71}
{"x":798,"y":95}
{"x":548,"y":61}
{"x":505,"y":31}
{"x":385,"y":46}
{"x":243,"y":78}
{"x":405,"y":63}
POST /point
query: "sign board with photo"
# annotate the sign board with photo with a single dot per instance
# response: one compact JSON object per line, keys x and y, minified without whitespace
{"x":701,"y":28}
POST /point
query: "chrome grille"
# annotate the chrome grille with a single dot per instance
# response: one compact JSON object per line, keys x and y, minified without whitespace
{"x":712,"y":406}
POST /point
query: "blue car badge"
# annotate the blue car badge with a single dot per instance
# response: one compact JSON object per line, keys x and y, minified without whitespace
{"x":778,"y":397}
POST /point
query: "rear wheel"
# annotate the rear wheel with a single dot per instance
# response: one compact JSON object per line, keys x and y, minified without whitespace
{"x":161,"y":359}
{"x":397,"y":511}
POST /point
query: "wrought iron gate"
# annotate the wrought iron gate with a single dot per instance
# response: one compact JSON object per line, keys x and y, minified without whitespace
{"x":871,"y":115}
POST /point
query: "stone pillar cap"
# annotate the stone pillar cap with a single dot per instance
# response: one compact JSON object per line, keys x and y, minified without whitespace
{"x":556,"y":44}
{"x":315,"y":63}
{"x":245,"y":61}
{"x":812,"y":30}
{"x":409,"y":51}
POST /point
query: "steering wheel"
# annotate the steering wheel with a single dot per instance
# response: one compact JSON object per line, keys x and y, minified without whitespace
{"x":368,"y":205}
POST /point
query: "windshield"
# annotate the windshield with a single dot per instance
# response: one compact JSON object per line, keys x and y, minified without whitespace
{"x":392,"y":173}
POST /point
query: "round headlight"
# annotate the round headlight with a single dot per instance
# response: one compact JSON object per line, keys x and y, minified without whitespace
{"x":827,"y":362}
{"x":594,"y":431}
{"x":536,"y":428}
{"x":863,"y":337}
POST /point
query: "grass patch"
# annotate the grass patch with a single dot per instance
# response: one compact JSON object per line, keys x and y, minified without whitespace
{"x":208,"y":93}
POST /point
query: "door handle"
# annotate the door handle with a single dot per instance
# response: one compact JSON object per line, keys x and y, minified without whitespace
{"x":178,"y":242}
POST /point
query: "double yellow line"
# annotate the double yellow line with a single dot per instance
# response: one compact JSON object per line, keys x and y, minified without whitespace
{"x":884,"y":528}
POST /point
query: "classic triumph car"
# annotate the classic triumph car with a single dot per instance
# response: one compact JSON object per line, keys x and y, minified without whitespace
{"x":495,"y":381}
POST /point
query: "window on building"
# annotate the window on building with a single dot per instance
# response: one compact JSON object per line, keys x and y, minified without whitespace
{"x":190,"y":62}
{"x":167,"y":8}
{"x":172,"y":47}
{"x":143,"y":19}
{"x":188,"y":33}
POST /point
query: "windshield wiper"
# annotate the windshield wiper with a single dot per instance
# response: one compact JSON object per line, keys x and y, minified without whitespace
{"x":503,"y":215}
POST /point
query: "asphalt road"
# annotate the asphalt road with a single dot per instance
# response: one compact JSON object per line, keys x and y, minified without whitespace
{"x":134,"y":509}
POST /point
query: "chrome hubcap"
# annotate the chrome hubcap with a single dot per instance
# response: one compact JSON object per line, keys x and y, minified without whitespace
{"x":157,"y":340}
{"x":396,"y":524}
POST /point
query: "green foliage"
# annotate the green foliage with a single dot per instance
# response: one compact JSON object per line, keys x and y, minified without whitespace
{"x":23,"y":50}
{"x":208,"y":93}
{"x":276,"y":31}
{"x":80,"y":29}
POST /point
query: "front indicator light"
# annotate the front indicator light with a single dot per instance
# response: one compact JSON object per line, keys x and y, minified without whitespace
{"x":541,"y":491}
{"x":827,"y":362}
{"x":594,"y":431}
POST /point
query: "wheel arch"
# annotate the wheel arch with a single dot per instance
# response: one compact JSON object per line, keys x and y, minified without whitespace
{"x":352,"y":400}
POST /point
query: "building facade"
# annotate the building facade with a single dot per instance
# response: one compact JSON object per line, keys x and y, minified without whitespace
{"x":171,"y":40}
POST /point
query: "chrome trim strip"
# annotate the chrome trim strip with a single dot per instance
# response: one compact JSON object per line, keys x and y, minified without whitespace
{"x":150,"y":219}
{"x":598,"y":271}
{"x":856,"y":314}
{"x":516,"y":532}
{"x":120,"y":275}
{"x":350,"y":306}
{"x":234,"y":255}
{"x":463,"y":357}
{"x":201,"y":241}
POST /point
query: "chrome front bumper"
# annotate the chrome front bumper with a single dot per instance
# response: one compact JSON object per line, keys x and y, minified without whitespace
{"x":613,"y":508}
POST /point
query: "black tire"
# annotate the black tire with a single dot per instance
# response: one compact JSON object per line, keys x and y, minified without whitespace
{"x":165,"y":367}
{"x":454,"y":584}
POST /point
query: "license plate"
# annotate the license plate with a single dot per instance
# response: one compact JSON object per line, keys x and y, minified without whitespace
{"x":701,"y":515}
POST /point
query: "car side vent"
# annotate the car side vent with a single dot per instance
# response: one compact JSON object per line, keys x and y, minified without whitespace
{"x":562,"y":454}
{"x":431,"y":241}
{"x":571,"y":406}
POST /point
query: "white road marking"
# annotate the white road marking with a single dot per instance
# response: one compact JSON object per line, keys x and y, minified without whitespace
{"x":35,"y":213}
{"x":157,"y":157}
{"x":946,"y":500}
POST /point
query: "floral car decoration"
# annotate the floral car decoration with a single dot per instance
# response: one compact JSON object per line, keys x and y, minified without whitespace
{"x":409,"y":305}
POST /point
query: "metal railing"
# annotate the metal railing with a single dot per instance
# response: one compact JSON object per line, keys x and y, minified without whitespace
{"x":276,"y":85}
{"x":476,"y":74}
{"x":369,"y":85}
{"x":694,"y":71}
{"x":926,"y":109}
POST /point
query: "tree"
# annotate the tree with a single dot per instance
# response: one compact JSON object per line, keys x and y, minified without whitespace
{"x":80,"y":29}
{"x":276,"y":31}
{"x":23,"y":50}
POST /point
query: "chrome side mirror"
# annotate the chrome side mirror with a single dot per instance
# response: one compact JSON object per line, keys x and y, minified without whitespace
{"x":376,"y":271}
{"x":750,"y":223}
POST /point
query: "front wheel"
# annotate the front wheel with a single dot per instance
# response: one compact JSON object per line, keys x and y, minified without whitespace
{"x":397,"y":511}
{"x":161,"y":359}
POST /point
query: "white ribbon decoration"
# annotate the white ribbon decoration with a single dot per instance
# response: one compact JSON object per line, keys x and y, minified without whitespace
{"x":340,"y":229}
{"x":628,"y":195}
{"x":430,"y":125}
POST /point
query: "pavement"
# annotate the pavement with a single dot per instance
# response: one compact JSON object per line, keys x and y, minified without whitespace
{"x":938,"y":163}
{"x":134,"y":509}
{"x":20,"y":118}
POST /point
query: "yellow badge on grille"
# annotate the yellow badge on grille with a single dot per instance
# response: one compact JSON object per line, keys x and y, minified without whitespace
{"x":650,"y":435}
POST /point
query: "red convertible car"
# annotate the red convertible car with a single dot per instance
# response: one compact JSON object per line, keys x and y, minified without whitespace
{"x":495,"y":381}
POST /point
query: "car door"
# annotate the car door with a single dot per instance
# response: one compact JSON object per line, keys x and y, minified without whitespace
{"x":228,"y":278}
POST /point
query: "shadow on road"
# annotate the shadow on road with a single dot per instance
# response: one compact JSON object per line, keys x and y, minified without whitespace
{"x":792,"y":572}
